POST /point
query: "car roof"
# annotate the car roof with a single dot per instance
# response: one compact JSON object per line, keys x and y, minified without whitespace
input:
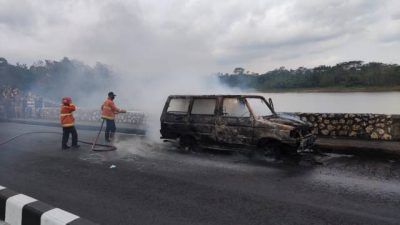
{"x":215,"y":96}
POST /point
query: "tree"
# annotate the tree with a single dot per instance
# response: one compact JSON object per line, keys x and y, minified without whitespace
{"x":54,"y":79}
{"x":238,"y":71}
{"x":346,"y":74}
{"x":3,"y":61}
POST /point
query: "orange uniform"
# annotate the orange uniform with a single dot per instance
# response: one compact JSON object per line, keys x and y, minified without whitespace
{"x":66,"y":117}
{"x":108,"y":109}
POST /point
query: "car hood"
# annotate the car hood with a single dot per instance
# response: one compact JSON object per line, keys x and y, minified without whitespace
{"x":287,"y":119}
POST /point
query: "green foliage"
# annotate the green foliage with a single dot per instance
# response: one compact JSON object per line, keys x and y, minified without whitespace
{"x":352,"y":74}
{"x":56,"y":78}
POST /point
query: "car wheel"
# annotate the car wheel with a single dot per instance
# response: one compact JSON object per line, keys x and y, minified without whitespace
{"x":273,"y":149}
{"x":187,"y":144}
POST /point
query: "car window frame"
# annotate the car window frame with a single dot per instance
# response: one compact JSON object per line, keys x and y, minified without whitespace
{"x":215,"y":106}
{"x":174,"y":112}
{"x":266,"y":103}
{"x":239,"y":98}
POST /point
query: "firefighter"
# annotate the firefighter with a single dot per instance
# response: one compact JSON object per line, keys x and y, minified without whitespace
{"x":67,"y":123}
{"x":108,"y":111}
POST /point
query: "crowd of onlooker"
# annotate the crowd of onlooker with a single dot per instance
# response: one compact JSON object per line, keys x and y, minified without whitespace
{"x":15,"y":103}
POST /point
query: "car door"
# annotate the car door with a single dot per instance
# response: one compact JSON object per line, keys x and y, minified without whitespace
{"x":176,"y":119}
{"x":234,"y":124}
{"x":202,"y":118}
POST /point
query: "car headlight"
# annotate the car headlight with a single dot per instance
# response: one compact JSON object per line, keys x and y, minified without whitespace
{"x":294,"y":133}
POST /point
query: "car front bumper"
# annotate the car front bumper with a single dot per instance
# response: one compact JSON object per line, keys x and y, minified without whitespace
{"x":307,"y":142}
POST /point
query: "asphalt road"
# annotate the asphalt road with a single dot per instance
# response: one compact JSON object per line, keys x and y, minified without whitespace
{"x":153,"y":183}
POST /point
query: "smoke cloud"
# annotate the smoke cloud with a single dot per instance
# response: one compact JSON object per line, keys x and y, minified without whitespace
{"x":158,"y":48}
{"x":149,"y":94}
{"x":143,"y":37}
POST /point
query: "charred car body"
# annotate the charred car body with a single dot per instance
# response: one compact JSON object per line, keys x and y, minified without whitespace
{"x":231,"y":122}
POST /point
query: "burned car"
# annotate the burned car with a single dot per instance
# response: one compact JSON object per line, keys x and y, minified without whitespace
{"x":232,"y":122}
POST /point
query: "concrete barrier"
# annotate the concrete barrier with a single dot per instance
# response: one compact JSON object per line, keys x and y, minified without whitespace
{"x":355,"y":126}
{"x":87,"y":118}
{"x":133,"y":118}
{"x":19,"y":209}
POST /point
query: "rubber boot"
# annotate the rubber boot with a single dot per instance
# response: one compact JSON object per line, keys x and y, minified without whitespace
{"x":111,"y":136}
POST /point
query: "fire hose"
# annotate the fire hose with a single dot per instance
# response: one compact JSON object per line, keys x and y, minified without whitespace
{"x":94,"y":144}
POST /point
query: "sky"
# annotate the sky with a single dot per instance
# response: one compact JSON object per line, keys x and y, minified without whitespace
{"x":200,"y":37}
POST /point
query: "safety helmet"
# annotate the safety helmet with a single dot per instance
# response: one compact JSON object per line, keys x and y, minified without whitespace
{"x":66,"y":100}
{"x":111,"y":94}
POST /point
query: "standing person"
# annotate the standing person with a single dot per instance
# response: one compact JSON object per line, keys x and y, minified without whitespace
{"x":30,"y":105}
{"x":108,"y":111}
{"x":67,"y":122}
{"x":24,"y":104}
{"x":38,"y":106}
{"x":7,"y":107}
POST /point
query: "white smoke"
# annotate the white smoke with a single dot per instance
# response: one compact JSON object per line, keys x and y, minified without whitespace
{"x":148,"y":94}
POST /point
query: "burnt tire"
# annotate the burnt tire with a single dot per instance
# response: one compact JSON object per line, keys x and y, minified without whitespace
{"x":273,"y":149}
{"x":187,"y":144}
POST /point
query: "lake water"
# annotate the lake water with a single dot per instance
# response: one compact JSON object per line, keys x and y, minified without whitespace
{"x":355,"y":102}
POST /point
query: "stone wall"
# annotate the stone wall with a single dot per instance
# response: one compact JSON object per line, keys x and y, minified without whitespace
{"x":358,"y":126}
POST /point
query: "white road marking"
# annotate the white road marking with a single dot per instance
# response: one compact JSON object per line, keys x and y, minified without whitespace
{"x":57,"y":217}
{"x":14,"y":207}
{"x":1,"y":188}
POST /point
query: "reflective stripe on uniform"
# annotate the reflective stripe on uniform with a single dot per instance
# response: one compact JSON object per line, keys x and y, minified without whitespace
{"x":67,"y":125}
{"x":107,"y":117}
{"x":65,"y":114}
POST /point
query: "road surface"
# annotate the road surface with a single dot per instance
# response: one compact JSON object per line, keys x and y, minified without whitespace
{"x":149,"y":182}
